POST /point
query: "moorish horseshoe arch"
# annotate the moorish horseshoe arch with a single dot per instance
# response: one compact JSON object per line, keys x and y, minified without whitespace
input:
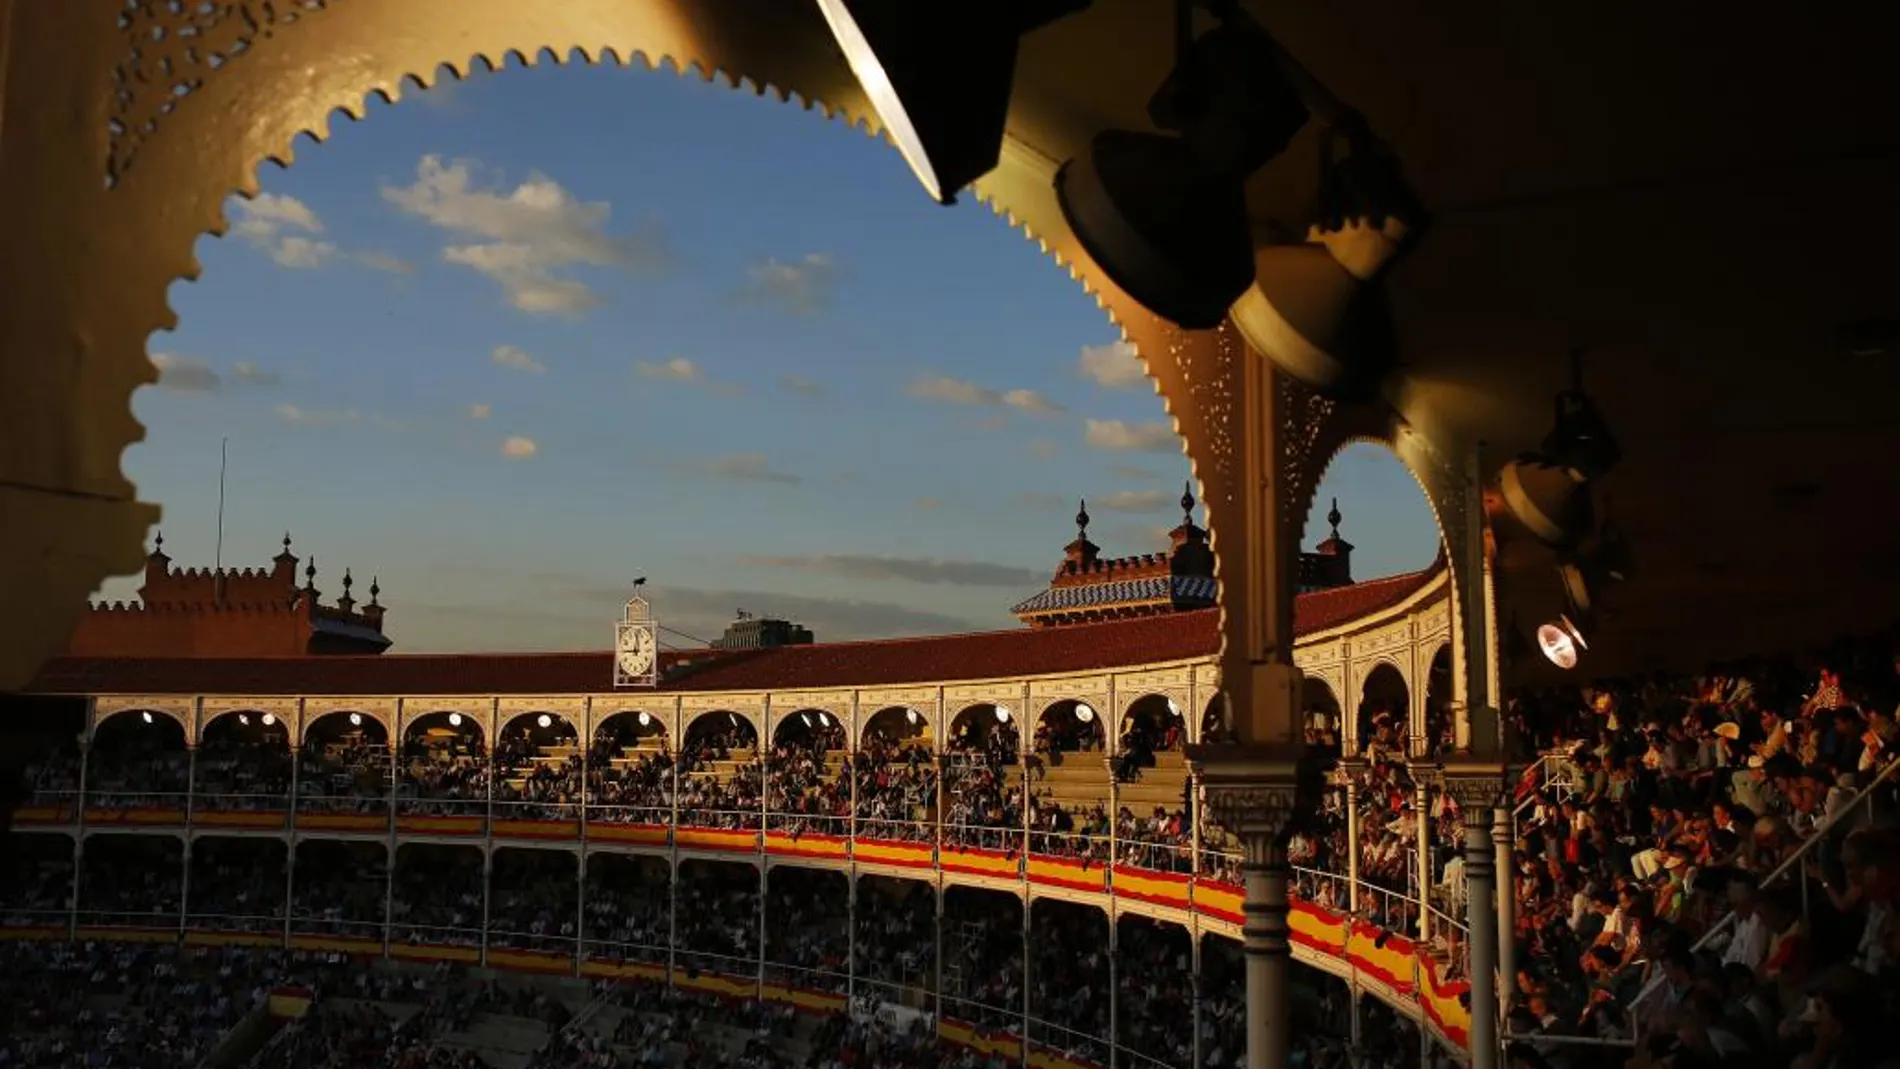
{"x":175,"y":110}
{"x":145,"y":117}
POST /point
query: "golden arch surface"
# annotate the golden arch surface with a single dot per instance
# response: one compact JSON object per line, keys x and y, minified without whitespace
{"x":143,"y":119}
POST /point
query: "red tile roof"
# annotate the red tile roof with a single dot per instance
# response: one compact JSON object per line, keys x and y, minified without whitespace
{"x":978,"y":655}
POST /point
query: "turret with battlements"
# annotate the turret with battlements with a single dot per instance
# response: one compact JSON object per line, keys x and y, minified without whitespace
{"x":231,"y":612}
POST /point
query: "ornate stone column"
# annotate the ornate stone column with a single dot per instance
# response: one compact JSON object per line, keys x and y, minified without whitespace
{"x":1258,"y":476}
{"x":1349,"y":771}
{"x":1504,"y":839}
{"x":1424,"y":778}
{"x":1476,"y":784}
{"x":1258,"y":805}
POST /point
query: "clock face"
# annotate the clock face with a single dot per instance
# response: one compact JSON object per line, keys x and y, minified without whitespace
{"x":636,"y":651}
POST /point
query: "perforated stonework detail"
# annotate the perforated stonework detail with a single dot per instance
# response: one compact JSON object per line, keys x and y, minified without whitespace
{"x":171,"y":48}
{"x":1212,"y":375}
{"x":1308,"y":427}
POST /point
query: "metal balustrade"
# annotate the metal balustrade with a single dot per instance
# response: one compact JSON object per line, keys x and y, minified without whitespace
{"x":1198,"y":881}
{"x":1015,"y":1032}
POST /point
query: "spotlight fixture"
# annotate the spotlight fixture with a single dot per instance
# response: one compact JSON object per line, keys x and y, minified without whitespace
{"x":1084,"y":713}
{"x":1314,"y":308}
{"x":1165,"y":215}
{"x":912,"y":716}
{"x":1562,"y":642}
{"x":455,"y":720}
{"x":1549,"y":491}
{"x":1002,"y":715}
{"x":147,"y":717}
{"x":356,"y":720}
{"x":244,"y":719}
{"x":940,"y":83}
{"x":268,"y":719}
{"x":645,"y":719}
{"x":544,"y":721}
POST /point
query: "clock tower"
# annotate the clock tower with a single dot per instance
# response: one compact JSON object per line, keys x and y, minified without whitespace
{"x":636,"y":646}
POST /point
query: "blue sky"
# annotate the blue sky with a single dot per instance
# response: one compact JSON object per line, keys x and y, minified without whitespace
{"x":508,"y":346}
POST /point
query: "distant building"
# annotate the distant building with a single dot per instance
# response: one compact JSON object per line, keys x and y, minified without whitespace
{"x":1088,"y":587}
{"x":749,"y":632}
{"x":229,"y":612}
{"x":1329,"y":566}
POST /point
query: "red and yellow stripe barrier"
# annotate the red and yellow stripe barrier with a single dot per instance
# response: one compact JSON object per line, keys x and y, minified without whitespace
{"x":894,"y":852}
{"x":409,"y":825}
{"x":1443,"y":1002}
{"x":363,"y":823}
{"x":808,"y":845}
{"x":718,"y":840}
{"x":554,"y":830}
{"x":1067,"y":873}
{"x":1007,"y":1046}
{"x":1156,"y":888}
{"x":240,"y":819}
{"x":428,"y":952}
{"x":1397,"y":967}
{"x":631,"y":834}
{"x":135,"y":818}
{"x":1397,"y":964}
{"x":971,"y":861}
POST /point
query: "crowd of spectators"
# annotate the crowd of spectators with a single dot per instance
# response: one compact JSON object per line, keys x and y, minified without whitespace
{"x":1704,"y":865}
{"x":243,"y":763}
{"x":538,"y":773}
{"x":126,"y":1006}
{"x":1665,"y":805}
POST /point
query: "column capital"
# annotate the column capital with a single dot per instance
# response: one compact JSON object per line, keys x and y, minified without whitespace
{"x":1475,"y":783}
{"x":1258,"y":792}
{"x":1349,"y":771}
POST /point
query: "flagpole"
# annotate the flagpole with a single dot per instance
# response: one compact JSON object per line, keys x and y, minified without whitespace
{"x":224,"y":454}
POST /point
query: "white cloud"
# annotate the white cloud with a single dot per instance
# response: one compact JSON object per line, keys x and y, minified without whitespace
{"x":1131,"y":471}
{"x":515,"y":360}
{"x":301,"y":252}
{"x":268,"y":214}
{"x":1133,"y":501}
{"x":480,"y":411}
{"x":284,"y":228}
{"x":281,"y":226}
{"x":960,"y":392}
{"x":746,"y":468}
{"x":522,"y":238}
{"x":1031,"y":402}
{"x":305,"y":417}
{"x":518,"y":447}
{"x":678,"y":369}
{"x":800,"y":385}
{"x":1043,"y":450}
{"x":185,"y":374}
{"x":252,"y":375}
{"x":683,"y":371}
{"x":801,"y":288}
{"x":1116,"y":366}
{"x":1119,"y":436}
{"x":953,"y":391}
{"x":382,"y":261}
